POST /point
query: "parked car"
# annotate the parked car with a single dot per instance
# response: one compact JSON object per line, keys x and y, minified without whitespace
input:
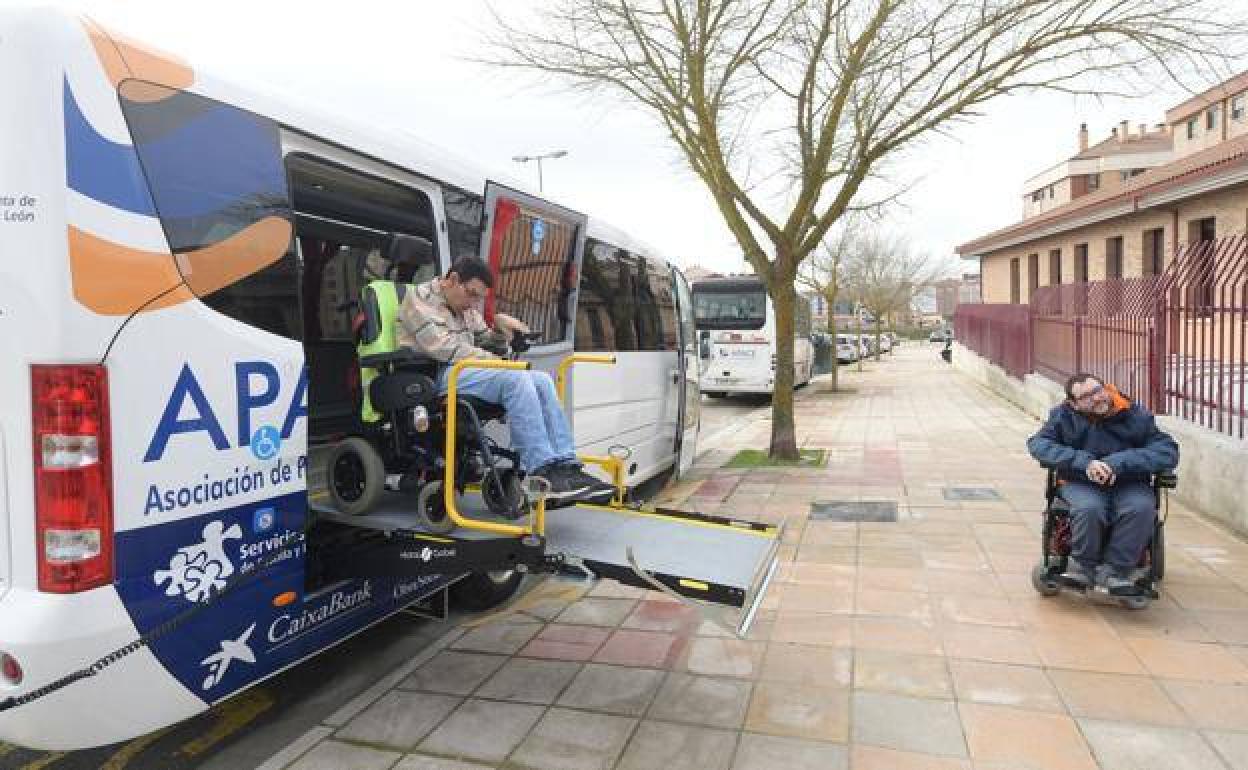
{"x":886,"y":343}
{"x":848,"y":349}
{"x":940,"y":335}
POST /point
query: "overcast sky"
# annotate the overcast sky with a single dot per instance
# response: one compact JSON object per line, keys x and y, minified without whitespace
{"x":403,"y":64}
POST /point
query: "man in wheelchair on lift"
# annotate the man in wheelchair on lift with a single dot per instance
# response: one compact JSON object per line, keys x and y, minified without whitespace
{"x":442,"y":319}
{"x":1105,"y":450}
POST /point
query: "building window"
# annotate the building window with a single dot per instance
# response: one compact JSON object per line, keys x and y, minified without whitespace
{"x":1237,"y":108}
{"x":1081,"y":263}
{"x":1113,"y":257}
{"x":1015,"y":281}
{"x":1055,"y":267}
{"x":1037,"y":196}
{"x":1033,"y":275}
{"x":1191,"y":128}
{"x":1050,"y":192}
{"x":1094,"y":182}
{"x":1211,"y":118}
{"x":1154,"y":251}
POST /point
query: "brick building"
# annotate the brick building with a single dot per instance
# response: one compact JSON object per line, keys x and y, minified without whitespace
{"x":1133,"y":221}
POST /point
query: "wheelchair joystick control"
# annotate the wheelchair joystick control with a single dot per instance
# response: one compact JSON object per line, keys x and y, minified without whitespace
{"x":420,"y":419}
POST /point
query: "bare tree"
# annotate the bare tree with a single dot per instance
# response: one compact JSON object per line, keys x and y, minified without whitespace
{"x":883,"y":274}
{"x":787,"y":110}
{"x":821,"y":273}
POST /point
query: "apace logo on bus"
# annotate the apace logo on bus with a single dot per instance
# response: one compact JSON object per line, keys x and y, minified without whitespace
{"x":188,"y":395}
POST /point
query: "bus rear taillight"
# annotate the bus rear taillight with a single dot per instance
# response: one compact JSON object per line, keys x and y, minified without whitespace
{"x":73,"y":477}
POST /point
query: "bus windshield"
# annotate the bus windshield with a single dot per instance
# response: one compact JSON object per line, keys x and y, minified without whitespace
{"x":730,"y":309}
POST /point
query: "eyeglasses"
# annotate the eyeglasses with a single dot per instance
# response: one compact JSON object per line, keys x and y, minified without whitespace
{"x":1087,"y":397}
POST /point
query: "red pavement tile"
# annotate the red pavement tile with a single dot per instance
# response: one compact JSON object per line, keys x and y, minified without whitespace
{"x":560,"y":642}
{"x":654,"y":615}
{"x":647,"y":649}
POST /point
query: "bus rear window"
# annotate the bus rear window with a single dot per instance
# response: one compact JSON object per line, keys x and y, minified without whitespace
{"x":730,"y":309}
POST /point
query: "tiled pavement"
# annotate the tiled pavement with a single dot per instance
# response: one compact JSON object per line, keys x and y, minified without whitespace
{"x":889,"y":646}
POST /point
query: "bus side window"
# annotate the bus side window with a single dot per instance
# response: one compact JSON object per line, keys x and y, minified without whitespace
{"x":465,"y":213}
{"x":604,"y":321}
{"x":215,"y":174}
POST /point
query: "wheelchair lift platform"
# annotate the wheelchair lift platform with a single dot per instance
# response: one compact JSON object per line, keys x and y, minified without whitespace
{"x":693,"y":556}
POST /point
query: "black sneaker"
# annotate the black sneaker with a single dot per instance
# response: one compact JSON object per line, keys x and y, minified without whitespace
{"x":598,"y":490}
{"x":1119,"y":583}
{"x":1077,"y":576}
{"x":565,"y":483}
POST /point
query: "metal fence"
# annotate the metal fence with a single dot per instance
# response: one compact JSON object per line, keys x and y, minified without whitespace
{"x":1178,"y":342}
{"x":1001,"y":333}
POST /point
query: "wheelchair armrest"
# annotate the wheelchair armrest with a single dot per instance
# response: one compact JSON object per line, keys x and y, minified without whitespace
{"x":397,"y":358}
{"x":1166,"y":480}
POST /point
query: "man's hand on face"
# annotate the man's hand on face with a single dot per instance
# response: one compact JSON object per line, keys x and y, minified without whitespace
{"x":1100,"y":473}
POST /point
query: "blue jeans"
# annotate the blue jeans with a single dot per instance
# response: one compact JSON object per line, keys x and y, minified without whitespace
{"x":1125,"y":512}
{"x":539,"y":429}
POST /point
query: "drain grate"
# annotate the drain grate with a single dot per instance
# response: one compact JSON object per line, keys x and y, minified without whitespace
{"x":971,"y":493}
{"x":849,"y":510}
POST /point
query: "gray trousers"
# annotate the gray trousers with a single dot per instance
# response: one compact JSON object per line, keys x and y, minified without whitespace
{"x":1111,"y":525}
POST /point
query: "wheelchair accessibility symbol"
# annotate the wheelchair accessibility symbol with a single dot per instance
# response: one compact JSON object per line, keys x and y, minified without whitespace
{"x":266,"y":442}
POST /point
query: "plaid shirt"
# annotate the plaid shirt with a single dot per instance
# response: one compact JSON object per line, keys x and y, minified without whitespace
{"x":428,"y":325}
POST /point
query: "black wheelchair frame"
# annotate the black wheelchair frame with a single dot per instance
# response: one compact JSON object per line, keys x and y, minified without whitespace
{"x":1055,"y":543}
{"x":408,"y":441}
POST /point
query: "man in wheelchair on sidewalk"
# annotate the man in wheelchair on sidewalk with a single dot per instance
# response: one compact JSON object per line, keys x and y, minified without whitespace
{"x":1107,"y":459}
{"x":442,"y":319}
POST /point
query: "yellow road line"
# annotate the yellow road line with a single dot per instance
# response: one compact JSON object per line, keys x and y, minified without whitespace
{"x":232,"y":715}
{"x":45,"y":760}
{"x":133,"y":748}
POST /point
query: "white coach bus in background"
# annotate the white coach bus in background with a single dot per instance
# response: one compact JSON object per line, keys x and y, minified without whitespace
{"x":737,"y":331}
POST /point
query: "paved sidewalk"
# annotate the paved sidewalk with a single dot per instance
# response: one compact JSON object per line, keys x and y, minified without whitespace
{"x":889,"y":646}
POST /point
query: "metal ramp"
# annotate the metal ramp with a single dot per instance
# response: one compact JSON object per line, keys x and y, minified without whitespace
{"x":692,"y":556}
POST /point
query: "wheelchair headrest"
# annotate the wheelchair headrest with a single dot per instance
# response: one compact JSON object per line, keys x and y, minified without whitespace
{"x":409,"y":251}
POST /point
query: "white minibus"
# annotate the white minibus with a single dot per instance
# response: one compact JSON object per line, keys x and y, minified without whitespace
{"x":179,"y":258}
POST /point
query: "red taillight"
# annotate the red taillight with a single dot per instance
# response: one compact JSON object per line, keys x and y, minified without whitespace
{"x":10,"y":669}
{"x":73,"y":477}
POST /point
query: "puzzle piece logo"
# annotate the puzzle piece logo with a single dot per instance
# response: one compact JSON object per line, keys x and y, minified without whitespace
{"x":196,"y":572}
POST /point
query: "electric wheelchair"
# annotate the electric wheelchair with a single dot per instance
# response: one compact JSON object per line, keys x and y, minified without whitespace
{"x":1057,"y":534}
{"x":398,"y":443}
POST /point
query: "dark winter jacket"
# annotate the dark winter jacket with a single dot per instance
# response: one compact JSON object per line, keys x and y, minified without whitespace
{"x":1127,"y":440}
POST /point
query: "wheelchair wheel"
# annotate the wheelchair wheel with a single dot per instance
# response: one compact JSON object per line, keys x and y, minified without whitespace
{"x":1044,"y":584}
{"x":357,"y":476}
{"x":431,"y":506}
{"x":504,"y":495}
{"x":1158,"y":551}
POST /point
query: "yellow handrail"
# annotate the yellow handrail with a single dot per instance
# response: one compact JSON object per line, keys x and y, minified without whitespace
{"x":611,"y":465}
{"x":561,"y":372}
{"x":448,"y":483}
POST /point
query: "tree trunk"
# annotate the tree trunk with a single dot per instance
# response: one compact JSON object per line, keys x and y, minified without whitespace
{"x":858,"y":334}
{"x":783,"y":426}
{"x":829,"y":296}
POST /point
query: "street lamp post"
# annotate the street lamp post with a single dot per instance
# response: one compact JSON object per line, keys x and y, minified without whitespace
{"x":539,"y":159}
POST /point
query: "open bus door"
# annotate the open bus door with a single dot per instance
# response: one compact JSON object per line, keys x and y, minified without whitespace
{"x":689,"y":377}
{"x":534,"y":248}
